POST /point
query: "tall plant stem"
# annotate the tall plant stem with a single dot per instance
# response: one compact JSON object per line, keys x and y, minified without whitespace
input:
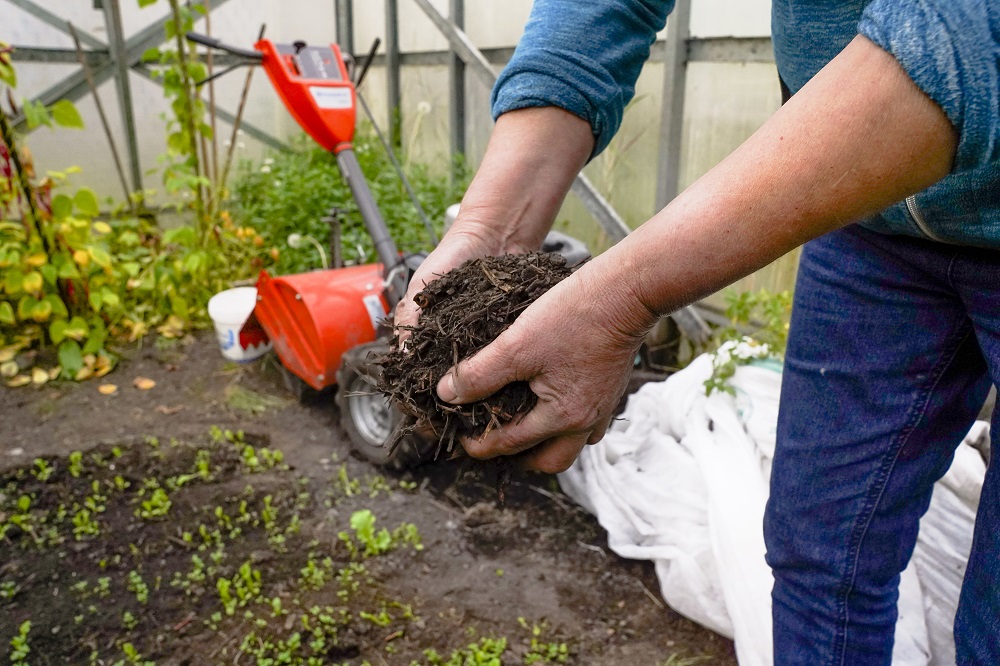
{"x":189,"y":120}
{"x":25,"y":184}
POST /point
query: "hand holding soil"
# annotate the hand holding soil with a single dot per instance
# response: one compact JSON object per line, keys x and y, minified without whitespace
{"x":462,"y":312}
{"x":543,"y":375}
{"x":574,"y":352}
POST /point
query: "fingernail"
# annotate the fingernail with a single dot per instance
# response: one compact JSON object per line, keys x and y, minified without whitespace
{"x":446,"y":388}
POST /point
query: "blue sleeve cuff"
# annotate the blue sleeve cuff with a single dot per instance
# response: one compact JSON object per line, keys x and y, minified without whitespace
{"x":543,"y":81}
{"x":583,"y":56}
{"x":951,"y":51}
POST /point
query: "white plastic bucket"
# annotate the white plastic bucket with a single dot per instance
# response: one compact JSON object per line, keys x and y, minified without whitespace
{"x":230,"y":310}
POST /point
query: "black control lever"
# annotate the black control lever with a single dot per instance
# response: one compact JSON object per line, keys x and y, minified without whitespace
{"x":368,"y":62}
{"x":213,"y":43}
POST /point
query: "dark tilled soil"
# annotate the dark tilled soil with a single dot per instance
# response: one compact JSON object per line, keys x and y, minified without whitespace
{"x":538,"y":570}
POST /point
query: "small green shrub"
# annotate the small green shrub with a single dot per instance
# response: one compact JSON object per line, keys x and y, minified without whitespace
{"x":292,"y":190}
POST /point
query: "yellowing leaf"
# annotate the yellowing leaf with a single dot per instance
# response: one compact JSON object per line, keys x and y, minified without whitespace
{"x":84,"y":373}
{"x":32,"y":282}
{"x":81,"y":257}
{"x":8,"y":369}
{"x":54,"y":373}
{"x":107,"y":389}
{"x":102,"y":227}
{"x":103,"y":366}
{"x":42,"y":311}
{"x":36,"y":260}
{"x":19,"y":381}
{"x":8,"y":353}
{"x":144,"y":383}
{"x":172,"y":328}
{"x":39,"y":376}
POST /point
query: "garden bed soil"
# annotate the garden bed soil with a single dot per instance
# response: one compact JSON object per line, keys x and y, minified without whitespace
{"x":105,"y":563}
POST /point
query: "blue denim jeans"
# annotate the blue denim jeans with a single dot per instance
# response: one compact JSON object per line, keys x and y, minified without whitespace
{"x":893,"y":345}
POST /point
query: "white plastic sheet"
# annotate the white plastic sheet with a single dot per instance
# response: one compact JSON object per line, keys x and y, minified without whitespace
{"x":682,"y":480}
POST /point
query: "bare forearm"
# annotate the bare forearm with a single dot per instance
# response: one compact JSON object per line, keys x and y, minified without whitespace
{"x":859,"y":137}
{"x":529,"y":165}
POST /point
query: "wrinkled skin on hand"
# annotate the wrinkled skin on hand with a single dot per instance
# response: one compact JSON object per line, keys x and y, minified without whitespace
{"x":576,"y":352}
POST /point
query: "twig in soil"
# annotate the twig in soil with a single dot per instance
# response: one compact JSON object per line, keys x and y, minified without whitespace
{"x":552,"y":496}
{"x":185,"y":622}
{"x":229,"y":641}
{"x":444,"y":507}
{"x":596,"y":549}
{"x":652,"y":597}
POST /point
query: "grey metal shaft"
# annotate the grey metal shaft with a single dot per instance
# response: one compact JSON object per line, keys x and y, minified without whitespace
{"x":688,"y":319}
{"x":672,"y":109}
{"x":345,"y":25}
{"x":374,"y":222}
{"x":456,"y":96}
{"x":392,"y":74}
{"x":116,"y":36}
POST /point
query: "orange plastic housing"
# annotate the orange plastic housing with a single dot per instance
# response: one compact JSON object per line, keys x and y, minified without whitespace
{"x":325,"y":108}
{"x":313,"y":318}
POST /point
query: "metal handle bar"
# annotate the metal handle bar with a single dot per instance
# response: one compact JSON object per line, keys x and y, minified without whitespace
{"x":213,"y":43}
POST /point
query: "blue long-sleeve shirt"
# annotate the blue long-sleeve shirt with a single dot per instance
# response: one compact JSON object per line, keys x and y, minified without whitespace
{"x":585,"y":56}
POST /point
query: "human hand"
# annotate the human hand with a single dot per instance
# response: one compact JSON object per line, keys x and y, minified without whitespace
{"x":575,"y":346}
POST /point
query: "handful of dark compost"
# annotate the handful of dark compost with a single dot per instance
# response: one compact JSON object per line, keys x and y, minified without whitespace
{"x":462,"y":312}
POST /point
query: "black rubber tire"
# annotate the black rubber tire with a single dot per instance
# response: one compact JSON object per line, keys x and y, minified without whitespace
{"x":365,"y":415}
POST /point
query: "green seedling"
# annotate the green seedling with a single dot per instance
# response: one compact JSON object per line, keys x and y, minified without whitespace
{"x":487,"y":652}
{"x":75,"y":464}
{"x":19,"y":644}
{"x":43,"y":470}
{"x":542,"y":652}
{"x":133,"y":657}
{"x":156,"y":507}
{"x":138,"y":587}
{"x":9,"y":590}
{"x":349,"y":486}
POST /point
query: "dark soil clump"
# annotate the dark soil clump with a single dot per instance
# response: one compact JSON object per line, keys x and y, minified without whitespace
{"x":462,"y":312}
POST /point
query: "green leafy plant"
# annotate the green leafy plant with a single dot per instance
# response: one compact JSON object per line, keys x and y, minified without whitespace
{"x":281,"y":197}
{"x":57,"y":279}
{"x":378,"y":542}
{"x":180,"y":70}
{"x":758,"y":329}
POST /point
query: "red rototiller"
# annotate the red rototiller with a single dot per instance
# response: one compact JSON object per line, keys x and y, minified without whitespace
{"x":324,"y":324}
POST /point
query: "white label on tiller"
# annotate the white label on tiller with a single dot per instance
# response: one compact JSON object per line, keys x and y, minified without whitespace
{"x":375,"y":310}
{"x":338,"y":97}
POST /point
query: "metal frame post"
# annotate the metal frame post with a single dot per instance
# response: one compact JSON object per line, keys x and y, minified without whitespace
{"x":345,"y":25}
{"x":392,"y":71}
{"x":116,"y":45}
{"x":456,"y":88}
{"x":672,"y":107}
